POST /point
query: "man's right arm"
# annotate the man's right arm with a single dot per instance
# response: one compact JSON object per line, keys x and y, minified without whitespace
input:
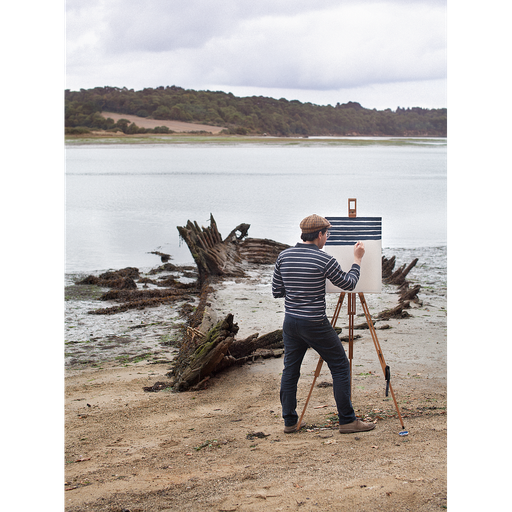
{"x":358,"y":253}
{"x":345,"y":280}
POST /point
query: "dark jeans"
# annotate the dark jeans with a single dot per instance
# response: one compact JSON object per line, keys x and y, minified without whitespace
{"x":298,"y":336}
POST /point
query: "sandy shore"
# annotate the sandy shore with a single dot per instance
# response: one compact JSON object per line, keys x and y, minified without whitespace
{"x":223,"y":448}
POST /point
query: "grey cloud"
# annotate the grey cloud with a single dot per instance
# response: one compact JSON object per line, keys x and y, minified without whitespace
{"x":162,"y":25}
{"x":384,"y":50}
{"x":301,"y":44}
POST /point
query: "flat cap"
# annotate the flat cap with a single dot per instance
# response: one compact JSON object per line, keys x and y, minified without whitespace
{"x":314,"y":223}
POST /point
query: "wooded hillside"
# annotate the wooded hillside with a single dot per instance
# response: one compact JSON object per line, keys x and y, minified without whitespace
{"x":244,"y":116}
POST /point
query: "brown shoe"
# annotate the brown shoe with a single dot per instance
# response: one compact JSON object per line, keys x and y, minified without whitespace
{"x":290,"y":430}
{"x":356,"y":426}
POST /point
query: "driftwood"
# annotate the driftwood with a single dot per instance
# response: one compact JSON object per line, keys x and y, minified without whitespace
{"x":406,"y":294}
{"x":198,"y":357}
{"x":409,"y":294}
{"x":217,"y":257}
{"x":252,"y":343}
{"x":212,"y":255}
{"x":387,"y":267}
{"x":201,"y":355}
{"x":396,"y":312}
{"x":261,"y":250}
{"x":398,"y":276}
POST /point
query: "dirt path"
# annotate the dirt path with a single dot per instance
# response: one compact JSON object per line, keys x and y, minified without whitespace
{"x":176,"y":126}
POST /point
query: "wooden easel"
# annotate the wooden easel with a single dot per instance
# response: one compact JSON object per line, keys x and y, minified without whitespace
{"x":351,"y":314}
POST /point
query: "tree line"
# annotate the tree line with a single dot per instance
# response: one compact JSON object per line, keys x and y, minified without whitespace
{"x":254,"y":115}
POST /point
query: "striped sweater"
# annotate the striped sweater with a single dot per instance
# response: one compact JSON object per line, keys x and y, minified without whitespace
{"x":299,"y":276}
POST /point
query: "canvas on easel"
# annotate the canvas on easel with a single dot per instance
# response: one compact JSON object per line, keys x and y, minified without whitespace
{"x":344,"y":234}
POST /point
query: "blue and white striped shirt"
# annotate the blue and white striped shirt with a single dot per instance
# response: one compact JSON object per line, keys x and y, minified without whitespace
{"x":299,"y":276}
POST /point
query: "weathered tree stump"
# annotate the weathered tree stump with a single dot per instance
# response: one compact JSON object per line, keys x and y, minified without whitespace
{"x":409,"y":294}
{"x":216,"y":257}
{"x":201,"y":356}
{"x":212,"y":255}
{"x":387,"y":266}
{"x":398,"y":277}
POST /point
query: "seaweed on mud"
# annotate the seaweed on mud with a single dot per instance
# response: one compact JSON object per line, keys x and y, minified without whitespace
{"x":140,"y":304}
{"x":138,"y":295}
{"x":123,"y":289}
{"x":168,"y":267}
{"x":137,"y":301}
{"x":123,"y":279}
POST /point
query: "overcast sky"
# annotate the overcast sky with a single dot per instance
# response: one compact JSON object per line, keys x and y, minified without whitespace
{"x":383,"y":54}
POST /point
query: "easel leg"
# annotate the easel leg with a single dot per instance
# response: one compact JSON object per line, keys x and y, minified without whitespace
{"x":320,"y":360}
{"x":351,"y":314}
{"x":379,"y":351}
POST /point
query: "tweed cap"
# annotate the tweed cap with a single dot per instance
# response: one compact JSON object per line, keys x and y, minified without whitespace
{"x":314,"y":223}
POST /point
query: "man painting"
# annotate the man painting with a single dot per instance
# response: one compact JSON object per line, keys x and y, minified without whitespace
{"x":299,"y":276}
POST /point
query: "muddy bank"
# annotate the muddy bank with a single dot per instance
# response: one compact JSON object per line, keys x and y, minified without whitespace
{"x":101,"y":324}
{"x":151,"y":333}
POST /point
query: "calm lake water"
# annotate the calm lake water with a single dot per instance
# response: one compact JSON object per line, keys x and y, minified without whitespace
{"x":122,"y":201}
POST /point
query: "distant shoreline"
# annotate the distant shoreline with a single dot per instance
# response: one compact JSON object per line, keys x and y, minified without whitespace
{"x":111,"y":138}
{"x":181,"y":131}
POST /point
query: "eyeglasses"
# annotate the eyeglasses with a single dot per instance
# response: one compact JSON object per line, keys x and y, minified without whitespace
{"x":328,"y":233}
